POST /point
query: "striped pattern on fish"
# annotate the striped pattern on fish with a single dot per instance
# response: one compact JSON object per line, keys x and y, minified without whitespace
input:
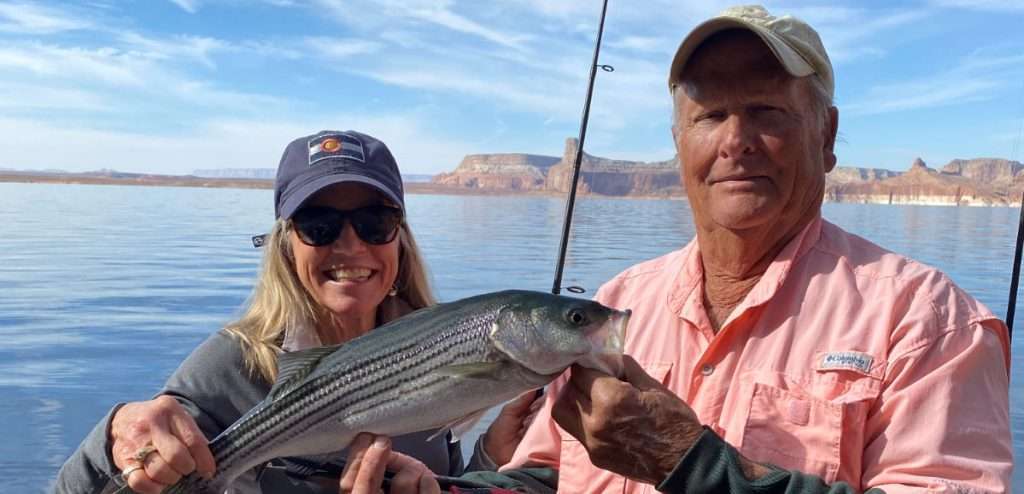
{"x":425,"y":371}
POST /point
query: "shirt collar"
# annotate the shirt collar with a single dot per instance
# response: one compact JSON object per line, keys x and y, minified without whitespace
{"x":300,"y":337}
{"x":686,"y":298}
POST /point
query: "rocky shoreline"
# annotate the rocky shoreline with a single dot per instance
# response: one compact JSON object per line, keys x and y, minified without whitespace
{"x":974,"y":182}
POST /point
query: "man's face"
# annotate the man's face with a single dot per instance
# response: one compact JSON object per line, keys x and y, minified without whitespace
{"x":753,"y":151}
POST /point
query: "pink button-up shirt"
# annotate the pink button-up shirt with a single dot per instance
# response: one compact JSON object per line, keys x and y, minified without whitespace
{"x":845,"y":361}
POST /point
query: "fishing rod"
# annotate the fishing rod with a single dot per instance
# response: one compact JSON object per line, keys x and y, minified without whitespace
{"x":1011,"y":305}
{"x":570,"y":202}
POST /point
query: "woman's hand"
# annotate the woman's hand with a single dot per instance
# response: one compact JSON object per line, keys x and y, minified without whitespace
{"x":504,"y":434}
{"x":369,"y":456}
{"x":164,"y":427}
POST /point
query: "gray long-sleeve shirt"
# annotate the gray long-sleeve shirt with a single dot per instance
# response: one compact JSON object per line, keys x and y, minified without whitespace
{"x":214,"y":386}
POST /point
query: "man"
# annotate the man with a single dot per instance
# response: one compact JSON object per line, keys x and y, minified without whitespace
{"x":776,"y":352}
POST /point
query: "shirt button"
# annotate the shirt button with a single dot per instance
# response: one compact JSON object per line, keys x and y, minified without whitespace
{"x":707,"y":369}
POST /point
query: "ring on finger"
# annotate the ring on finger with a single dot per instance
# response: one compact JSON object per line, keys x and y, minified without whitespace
{"x":127,"y":472}
{"x":143,"y":452}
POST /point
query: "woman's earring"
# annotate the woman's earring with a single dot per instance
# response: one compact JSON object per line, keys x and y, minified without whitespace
{"x":393,"y":291}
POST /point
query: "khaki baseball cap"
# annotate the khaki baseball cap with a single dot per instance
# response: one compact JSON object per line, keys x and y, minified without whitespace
{"x":793,"y":41}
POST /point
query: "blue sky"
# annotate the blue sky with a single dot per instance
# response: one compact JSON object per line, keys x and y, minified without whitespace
{"x":169,"y":86}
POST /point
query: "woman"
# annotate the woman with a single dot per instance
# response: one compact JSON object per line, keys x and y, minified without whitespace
{"x":340,"y":260}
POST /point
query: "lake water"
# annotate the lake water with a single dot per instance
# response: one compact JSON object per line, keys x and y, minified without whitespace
{"x":105,"y":289}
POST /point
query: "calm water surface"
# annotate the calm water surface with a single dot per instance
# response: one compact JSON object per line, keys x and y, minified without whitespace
{"x":105,"y":289}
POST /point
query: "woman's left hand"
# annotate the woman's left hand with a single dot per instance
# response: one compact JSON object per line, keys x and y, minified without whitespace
{"x":507,"y":431}
{"x":370,"y":455}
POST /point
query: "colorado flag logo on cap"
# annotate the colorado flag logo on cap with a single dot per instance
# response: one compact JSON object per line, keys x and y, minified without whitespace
{"x":335,"y":145}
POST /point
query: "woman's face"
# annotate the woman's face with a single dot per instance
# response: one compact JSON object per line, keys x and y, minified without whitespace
{"x":348,"y":277}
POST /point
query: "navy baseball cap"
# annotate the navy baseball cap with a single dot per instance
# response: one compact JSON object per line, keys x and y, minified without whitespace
{"x":329,"y":157}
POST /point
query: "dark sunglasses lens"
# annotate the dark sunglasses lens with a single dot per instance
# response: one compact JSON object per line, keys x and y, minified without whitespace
{"x":317,"y":226}
{"x":373,"y":224}
{"x":376,"y":224}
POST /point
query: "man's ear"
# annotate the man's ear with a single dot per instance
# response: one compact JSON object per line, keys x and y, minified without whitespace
{"x":831,"y":130}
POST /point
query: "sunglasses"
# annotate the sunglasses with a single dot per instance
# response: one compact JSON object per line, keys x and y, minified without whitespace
{"x":318,"y":225}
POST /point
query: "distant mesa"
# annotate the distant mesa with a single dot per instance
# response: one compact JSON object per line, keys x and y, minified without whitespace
{"x":499,"y":171}
{"x":245,"y":173}
{"x":530,"y":172}
{"x":970,"y":182}
{"x":271,"y":173}
{"x":973,"y":182}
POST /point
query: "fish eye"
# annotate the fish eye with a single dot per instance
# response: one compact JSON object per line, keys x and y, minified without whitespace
{"x":577,"y":317}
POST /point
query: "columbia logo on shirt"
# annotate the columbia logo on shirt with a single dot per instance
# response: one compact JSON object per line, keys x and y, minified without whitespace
{"x":335,"y":145}
{"x":846,"y":360}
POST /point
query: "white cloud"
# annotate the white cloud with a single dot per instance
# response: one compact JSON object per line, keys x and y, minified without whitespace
{"x":374,"y":15}
{"x":271,"y":49}
{"x":107,"y":65}
{"x":181,"y":47}
{"x":444,"y":17}
{"x":34,"y":97}
{"x":216,"y":144}
{"x":190,"y":6}
{"x":976,"y":78}
{"x":983,"y":5}
{"x":26,"y":18}
{"x":135,"y":79}
{"x":644,"y":44}
{"x":566,"y":9}
{"x":922,"y":94}
{"x":209,"y":95}
{"x":851,"y":34}
{"x":340,"y":48}
{"x":519,"y":94}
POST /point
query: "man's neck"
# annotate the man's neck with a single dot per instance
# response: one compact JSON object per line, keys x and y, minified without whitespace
{"x":733,"y":264}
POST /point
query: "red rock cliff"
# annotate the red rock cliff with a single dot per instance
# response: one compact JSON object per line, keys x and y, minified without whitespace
{"x":982,"y":181}
{"x":614,"y":177}
{"x":499,"y":171}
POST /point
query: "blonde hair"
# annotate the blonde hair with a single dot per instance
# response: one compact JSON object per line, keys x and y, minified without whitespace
{"x":279,"y":301}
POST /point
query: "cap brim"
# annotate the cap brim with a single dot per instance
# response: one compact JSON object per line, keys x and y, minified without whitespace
{"x":299,"y":196}
{"x":791,"y":60}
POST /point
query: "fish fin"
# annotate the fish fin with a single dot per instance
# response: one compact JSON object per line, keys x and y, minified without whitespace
{"x":483,"y":370}
{"x":460,"y":426}
{"x":293,"y":367}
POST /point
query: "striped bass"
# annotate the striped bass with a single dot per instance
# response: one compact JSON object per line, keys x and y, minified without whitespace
{"x":439,"y":368}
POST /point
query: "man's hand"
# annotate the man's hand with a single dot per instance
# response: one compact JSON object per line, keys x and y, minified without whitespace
{"x":636,"y":427}
{"x":509,"y":427}
{"x":369,"y":456}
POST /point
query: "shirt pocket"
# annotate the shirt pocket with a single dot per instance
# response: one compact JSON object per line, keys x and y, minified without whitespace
{"x":794,"y":431}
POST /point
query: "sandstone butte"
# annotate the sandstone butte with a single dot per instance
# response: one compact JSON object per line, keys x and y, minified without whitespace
{"x":974,"y":182}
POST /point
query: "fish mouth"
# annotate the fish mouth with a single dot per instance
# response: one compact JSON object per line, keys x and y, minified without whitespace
{"x":617,"y":336}
{"x":611,"y":336}
{"x":607,"y":344}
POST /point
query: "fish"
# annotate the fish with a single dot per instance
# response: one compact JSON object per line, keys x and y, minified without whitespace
{"x":439,"y":368}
